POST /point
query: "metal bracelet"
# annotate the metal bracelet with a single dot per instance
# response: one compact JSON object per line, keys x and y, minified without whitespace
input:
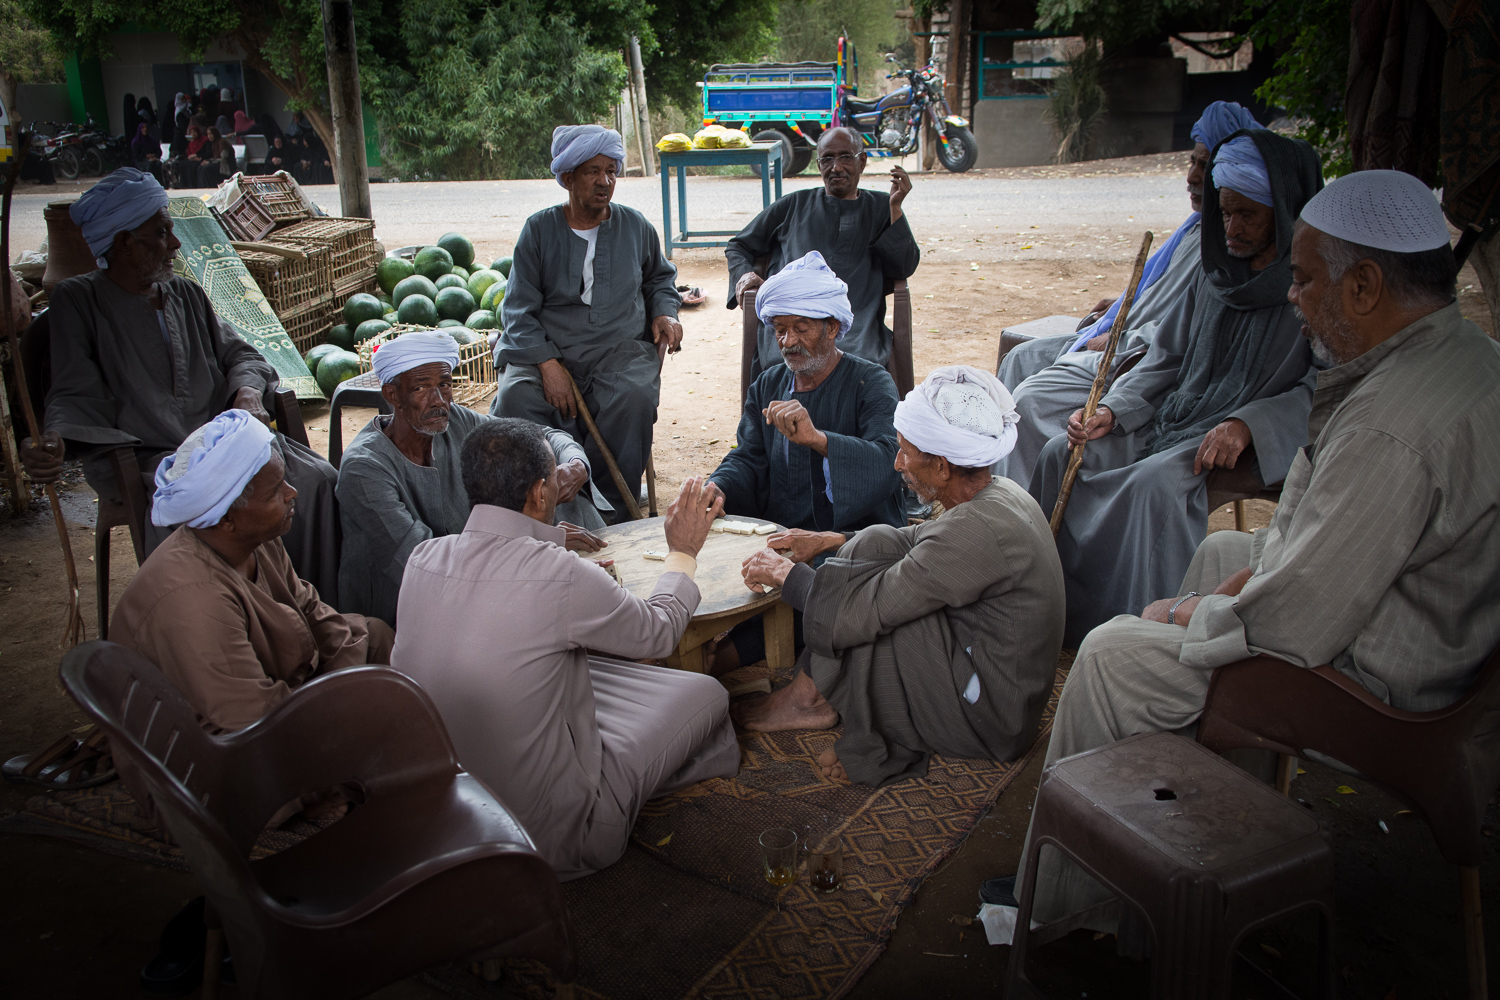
{"x":1172,"y":611}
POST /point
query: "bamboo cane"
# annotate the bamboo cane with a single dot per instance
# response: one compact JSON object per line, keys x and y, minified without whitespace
{"x":631,"y":506}
{"x":661,"y":357}
{"x":73,"y":633}
{"x":1075,"y":459}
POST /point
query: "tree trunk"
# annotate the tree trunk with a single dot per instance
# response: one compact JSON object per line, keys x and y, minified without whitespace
{"x":643,"y":117}
{"x":8,"y":98}
{"x":348,"y":109}
{"x":1486,"y":260}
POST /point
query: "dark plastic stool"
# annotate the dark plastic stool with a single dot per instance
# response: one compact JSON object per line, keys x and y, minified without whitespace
{"x":361,"y":390}
{"x":1204,"y":852}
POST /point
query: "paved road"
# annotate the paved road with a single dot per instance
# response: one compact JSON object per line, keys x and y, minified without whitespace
{"x":987,"y":218}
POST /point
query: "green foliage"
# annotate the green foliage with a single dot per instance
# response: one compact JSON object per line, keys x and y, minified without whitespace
{"x":809,"y":29}
{"x":691,"y":35}
{"x":1118,"y":23}
{"x":1311,"y":72}
{"x":27,"y":52}
{"x":484,"y":85}
{"x":1077,"y":104}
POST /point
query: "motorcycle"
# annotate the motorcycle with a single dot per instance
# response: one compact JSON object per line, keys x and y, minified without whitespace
{"x":892,"y":125}
{"x":87,"y":150}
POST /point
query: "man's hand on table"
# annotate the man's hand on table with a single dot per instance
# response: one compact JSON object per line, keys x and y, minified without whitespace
{"x":747,"y":281}
{"x":765,"y":568}
{"x":557,"y":387}
{"x":248,"y":399}
{"x":43,"y":464}
{"x":1100,"y":424}
{"x":1222,"y":446}
{"x":666,"y":330}
{"x":691,"y":514}
{"x":792,"y":419}
{"x":1156,"y":611}
{"x":570,"y":479}
{"x":581,"y":539}
{"x":803,"y":546}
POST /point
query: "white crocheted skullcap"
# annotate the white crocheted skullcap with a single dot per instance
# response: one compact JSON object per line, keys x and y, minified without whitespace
{"x":1385,"y":209}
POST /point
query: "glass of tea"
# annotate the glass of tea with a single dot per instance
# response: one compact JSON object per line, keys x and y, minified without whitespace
{"x":825,"y":856}
{"x":778,"y":853}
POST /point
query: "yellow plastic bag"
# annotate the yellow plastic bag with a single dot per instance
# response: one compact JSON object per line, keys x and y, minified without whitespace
{"x":733,"y":138}
{"x":675,"y":142}
{"x":708,"y":137}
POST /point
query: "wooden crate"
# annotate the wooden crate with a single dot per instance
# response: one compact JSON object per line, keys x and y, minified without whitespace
{"x":355,"y":252}
{"x":473,"y":379}
{"x":246,"y":219}
{"x":277,"y":193}
{"x":308,"y":329}
{"x":294,"y":280}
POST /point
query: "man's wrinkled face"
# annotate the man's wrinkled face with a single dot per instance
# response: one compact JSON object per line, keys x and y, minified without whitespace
{"x":1320,"y":302}
{"x":421,"y":398}
{"x":147,"y":250}
{"x":1198,"y":162}
{"x":271,"y":507}
{"x":841,"y":161}
{"x":591,"y":184}
{"x":918,"y":469}
{"x":1249,"y":226}
{"x":807,"y":344}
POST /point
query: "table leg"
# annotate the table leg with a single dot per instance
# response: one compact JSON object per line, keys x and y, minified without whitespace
{"x":765,"y":183}
{"x":682,"y":200}
{"x":781,"y":651}
{"x":690,"y":659}
{"x":779,"y":163}
{"x":666,"y":208}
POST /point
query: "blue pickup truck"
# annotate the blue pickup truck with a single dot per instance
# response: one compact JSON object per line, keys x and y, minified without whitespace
{"x":792,"y":103}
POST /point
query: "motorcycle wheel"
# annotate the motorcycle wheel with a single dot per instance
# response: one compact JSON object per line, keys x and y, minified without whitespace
{"x":68,"y":164}
{"x":788,"y":151}
{"x":959,"y":152}
{"x":93,"y":163}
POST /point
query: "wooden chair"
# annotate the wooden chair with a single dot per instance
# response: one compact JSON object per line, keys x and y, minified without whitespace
{"x":899,"y":364}
{"x":1239,"y":484}
{"x":1445,"y":764}
{"x":428,"y":867}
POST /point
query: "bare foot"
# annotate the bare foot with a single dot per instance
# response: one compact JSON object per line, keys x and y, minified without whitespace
{"x":720,"y":657}
{"x":833,"y":768}
{"x":799,"y":705}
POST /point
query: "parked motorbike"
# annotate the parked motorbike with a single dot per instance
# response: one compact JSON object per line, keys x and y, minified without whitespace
{"x":892,"y":125}
{"x":88,"y":150}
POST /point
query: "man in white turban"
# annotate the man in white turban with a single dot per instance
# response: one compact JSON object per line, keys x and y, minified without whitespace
{"x":940,"y":637}
{"x":218,"y":606}
{"x":400,"y":482}
{"x":815,"y":444}
{"x":140,"y":359}
{"x":1383,"y":557}
{"x":590,"y":296}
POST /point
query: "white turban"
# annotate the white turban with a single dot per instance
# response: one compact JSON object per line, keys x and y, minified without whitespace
{"x":413,"y":350}
{"x":575,"y":145}
{"x":117,"y":204}
{"x":963,"y":414}
{"x":209,"y":471}
{"x":1384,"y":209}
{"x":805,"y":287}
{"x":1239,"y":166}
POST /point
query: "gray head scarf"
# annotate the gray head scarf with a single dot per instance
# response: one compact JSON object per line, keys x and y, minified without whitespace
{"x":1231,"y":337}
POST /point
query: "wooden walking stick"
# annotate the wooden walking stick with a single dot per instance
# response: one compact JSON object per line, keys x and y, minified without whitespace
{"x":631,"y":506}
{"x":1075,"y":459}
{"x":661,"y":357}
{"x":73,"y":633}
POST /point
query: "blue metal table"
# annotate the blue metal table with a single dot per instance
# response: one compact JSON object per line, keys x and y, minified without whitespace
{"x":765,"y":154}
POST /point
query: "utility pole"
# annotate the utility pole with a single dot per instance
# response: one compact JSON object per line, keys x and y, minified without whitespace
{"x":643,"y":119}
{"x":346,"y":109}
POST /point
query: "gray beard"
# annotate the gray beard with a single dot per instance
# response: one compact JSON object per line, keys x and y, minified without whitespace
{"x":1332,"y":339}
{"x":804,"y":364}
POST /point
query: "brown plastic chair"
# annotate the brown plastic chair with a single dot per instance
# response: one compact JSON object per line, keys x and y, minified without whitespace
{"x":1239,"y":484}
{"x":899,"y":364}
{"x":428,"y":868}
{"x":1445,"y":764}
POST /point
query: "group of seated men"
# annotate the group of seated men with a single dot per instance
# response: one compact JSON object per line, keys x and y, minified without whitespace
{"x":1316,"y":325}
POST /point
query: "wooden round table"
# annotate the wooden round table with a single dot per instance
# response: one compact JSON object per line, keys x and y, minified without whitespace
{"x":726,"y":601}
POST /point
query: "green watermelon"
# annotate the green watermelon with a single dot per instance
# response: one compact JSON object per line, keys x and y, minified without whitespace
{"x":493,"y":296}
{"x":317,"y":354}
{"x":443,"y":324}
{"x":462,"y":272}
{"x":450,"y":281}
{"x":502,"y":264}
{"x":481,"y":280}
{"x":360,"y":307}
{"x":391,"y":270}
{"x":434,"y":262}
{"x":370,"y":328}
{"x":458,"y":247}
{"x":342,"y":337}
{"x":481,"y":319}
{"x":454,"y":303}
{"x":391,"y":317}
{"x":335,"y":368}
{"x":415,"y":284}
{"x":463,"y":335}
{"x":419,"y":310}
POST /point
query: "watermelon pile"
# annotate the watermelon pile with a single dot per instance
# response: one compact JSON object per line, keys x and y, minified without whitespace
{"x":438,"y":287}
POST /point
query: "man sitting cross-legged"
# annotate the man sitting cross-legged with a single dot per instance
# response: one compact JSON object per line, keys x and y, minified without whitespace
{"x":815,"y":444}
{"x":937,"y":638}
{"x":400,"y":482}
{"x":498,"y":625}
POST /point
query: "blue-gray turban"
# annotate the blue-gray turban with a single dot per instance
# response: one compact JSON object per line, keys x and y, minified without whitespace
{"x":575,"y":145}
{"x":209,"y":470}
{"x":1239,"y":166}
{"x":117,"y":204}
{"x":413,"y":350}
{"x":805,"y":287}
{"x":1219,"y":121}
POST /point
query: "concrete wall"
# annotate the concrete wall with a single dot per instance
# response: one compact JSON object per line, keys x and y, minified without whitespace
{"x":128,"y":71}
{"x":1013,"y":133}
{"x":42,"y":102}
{"x":1144,"y":97}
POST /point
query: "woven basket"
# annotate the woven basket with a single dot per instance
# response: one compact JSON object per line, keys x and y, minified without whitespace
{"x":355,"y":252}
{"x":277,"y":194}
{"x":473,"y":379}
{"x":295,"y":280}
{"x":247,"y":219}
{"x":308,"y":329}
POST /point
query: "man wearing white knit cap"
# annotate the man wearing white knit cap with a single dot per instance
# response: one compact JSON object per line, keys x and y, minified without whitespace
{"x":940,"y":637}
{"x":400,"y":482}
{"x":1383,"y":557}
